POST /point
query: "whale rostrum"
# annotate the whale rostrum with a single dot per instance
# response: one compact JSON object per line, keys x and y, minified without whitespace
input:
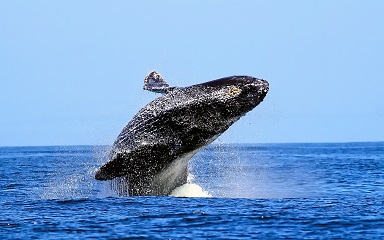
{"x":153,"y":149}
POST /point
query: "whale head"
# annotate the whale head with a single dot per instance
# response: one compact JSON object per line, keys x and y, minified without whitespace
{"x":239,"y":94}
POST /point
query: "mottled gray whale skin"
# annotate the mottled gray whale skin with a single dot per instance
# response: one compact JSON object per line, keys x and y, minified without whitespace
{"x":153,"y":149}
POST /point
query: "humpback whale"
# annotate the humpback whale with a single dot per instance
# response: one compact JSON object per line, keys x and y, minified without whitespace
{"x":152,"y":151}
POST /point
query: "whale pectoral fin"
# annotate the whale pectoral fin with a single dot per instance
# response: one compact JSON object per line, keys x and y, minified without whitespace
{"x":154,"y":82}
{"x":112,"y":169}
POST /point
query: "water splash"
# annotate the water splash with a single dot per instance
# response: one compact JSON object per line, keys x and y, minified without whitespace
{"x":72,"y":176}
{"x":190,"y":190}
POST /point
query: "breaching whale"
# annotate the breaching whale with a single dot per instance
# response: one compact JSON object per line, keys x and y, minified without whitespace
{"x":153,"y":149}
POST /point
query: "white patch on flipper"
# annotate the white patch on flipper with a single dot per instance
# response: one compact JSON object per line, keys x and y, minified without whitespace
{"x":189,"y":190}
{"x":154,"y":82}
{"x":173,"y":175}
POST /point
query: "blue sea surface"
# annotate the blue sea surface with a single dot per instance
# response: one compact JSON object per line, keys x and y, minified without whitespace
{"x":263,"y":191}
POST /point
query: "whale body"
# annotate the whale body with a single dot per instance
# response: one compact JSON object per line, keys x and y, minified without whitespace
{"x":152,"y":151}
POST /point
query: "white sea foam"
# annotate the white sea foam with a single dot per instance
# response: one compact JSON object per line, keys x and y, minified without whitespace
{"x":189,"y":190}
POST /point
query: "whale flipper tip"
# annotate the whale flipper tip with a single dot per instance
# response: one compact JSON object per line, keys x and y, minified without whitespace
{"x":154,"y":82}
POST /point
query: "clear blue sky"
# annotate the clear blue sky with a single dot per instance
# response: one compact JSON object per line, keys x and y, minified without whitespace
{"x":71,"y":72}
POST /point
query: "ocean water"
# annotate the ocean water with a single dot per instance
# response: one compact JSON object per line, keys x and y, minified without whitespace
{"x":262,"y":191}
